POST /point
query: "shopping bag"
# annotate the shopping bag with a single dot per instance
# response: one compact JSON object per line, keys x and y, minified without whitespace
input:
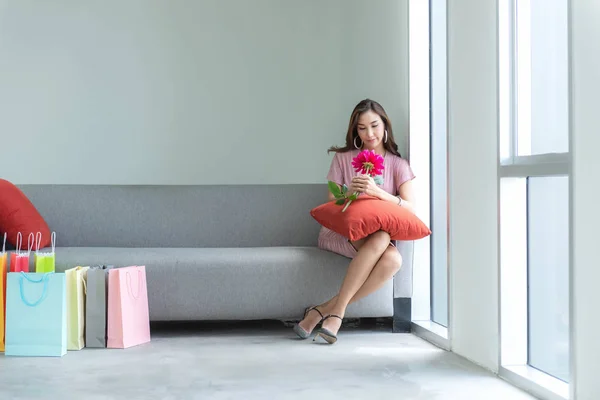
{"x":76,"y":282}
{"x":19,"y":260}
{"x":36,"y":314}
{"x":95,"y":306}
{"x":128,"y":314}
{"x":2,"y":292}
{"x":44,"y":261}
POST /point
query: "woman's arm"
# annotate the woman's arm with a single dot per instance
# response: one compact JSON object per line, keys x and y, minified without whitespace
{"x":406,"y":192}
{"x":405,"y":198}
{"x":330,"y":195}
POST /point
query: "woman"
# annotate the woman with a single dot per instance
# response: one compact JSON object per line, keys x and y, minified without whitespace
{"x":375,"y":258}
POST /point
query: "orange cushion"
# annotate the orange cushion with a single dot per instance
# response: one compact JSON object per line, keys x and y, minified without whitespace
{"x":367,"y":215}
{"x":18,"y":214}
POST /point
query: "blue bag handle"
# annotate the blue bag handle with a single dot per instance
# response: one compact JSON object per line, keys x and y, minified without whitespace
{"x":44,"y":278}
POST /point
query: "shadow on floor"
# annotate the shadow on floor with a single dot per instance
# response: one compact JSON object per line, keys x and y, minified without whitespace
{"x":258,"y":327}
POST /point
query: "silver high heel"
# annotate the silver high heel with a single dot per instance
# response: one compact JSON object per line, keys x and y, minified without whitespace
{"x":325,"y":333}
{"x":301,"y":332}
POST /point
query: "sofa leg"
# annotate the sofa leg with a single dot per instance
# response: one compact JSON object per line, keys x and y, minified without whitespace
{"x":402,"y":315}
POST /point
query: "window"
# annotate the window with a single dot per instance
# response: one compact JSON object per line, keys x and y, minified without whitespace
{"x":541,"y":76}
{"x":439,"y":163}
{"x":534,"y":192}
{"x":548,"y":274}
{"x":428,"y":150}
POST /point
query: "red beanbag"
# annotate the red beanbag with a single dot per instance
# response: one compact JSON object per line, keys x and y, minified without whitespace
{"x":367,"y":215}
{"x":18,"y":214}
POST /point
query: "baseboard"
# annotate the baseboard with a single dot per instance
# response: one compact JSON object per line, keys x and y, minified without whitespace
{"x":402,"y":315}
{"x":401,"y":322}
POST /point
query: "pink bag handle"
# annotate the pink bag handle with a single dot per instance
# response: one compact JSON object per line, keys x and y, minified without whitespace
{"x":128,"y":277}
{"x":19,"y":242}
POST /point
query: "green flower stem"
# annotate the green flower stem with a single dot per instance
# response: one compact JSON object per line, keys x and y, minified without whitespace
{"x":356,"y":194}
{"x":346,"y":206}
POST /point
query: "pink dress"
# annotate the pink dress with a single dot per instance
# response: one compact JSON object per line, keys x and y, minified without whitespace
{"x":396,"y":172}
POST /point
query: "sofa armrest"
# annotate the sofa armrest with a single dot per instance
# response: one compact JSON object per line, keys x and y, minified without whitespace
{"x":403,"y":289}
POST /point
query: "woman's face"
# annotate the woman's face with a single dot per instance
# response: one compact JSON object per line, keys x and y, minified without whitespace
{"x":371,"y":130}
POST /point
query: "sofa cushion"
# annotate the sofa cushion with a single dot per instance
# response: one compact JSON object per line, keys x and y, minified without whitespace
{"x":233,"y":283}
{"x":179,"y":215}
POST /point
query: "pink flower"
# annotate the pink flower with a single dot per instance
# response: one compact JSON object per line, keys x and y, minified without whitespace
{"x":368,"y":162}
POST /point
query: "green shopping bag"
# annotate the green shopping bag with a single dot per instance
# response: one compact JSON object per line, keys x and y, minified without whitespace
{"x":44,"y":262}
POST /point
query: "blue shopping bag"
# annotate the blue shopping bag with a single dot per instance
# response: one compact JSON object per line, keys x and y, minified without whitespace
{"x":36,"y":314}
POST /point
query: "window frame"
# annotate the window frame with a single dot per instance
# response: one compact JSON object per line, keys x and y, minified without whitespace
{"x":513,"y":336}
{"x":437,"y":122}
{"x":420,"y":99}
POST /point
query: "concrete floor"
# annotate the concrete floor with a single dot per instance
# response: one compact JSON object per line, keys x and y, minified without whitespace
{"x":256,"y":362}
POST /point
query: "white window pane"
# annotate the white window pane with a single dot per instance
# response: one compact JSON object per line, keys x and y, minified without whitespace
{"x":439,"y":166}
{"x":542,"y":76}
{"x":548,"y":274}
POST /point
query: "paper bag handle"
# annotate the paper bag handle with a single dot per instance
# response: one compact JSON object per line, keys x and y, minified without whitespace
{"x":84,"y":283}
{"x":38,"y":241}
{"x":19,"y":242}
{"x":4,"y":244}
{"x":44,"y":278}
{"x":30,"y":242}
{"x":128,"y":277}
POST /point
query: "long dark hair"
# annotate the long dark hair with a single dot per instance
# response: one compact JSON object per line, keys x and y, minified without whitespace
{"x":364,"y":106}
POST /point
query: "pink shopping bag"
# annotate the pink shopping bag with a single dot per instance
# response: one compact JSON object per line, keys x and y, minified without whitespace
{"x":19,"y":260}
{"x":128,"y":314}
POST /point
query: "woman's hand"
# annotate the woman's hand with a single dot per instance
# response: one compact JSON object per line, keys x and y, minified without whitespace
{"x":364,"y":184}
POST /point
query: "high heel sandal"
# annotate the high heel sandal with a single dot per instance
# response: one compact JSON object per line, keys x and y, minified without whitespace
{"x":325,"y":333}
{"x":300,"y":331}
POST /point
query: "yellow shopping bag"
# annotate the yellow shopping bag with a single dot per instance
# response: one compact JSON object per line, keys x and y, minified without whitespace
{"x":3,"y":294}
{"x":76,"y":288}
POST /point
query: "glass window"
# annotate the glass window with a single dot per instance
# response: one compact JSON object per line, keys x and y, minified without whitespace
{"x":548,"y":274}
{"x":439,"y":165}
{"x":542,"y":90}
{"x":534,"y":123}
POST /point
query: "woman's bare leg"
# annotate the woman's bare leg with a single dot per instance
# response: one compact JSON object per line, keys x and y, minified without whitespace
{"x":388,"y":265}
{"x":358,"y":272}
{"x":385,"y":268}
{"x":313,"y":318}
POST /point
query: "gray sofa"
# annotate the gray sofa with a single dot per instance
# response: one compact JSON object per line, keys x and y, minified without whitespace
{"x":213,"y":252}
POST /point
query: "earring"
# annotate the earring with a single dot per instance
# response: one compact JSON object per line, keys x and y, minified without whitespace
{"x":355,"y":145}
{"x":385,"y":141}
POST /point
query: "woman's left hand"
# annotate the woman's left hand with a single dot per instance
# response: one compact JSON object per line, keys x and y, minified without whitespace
{"x":365,"y":184}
